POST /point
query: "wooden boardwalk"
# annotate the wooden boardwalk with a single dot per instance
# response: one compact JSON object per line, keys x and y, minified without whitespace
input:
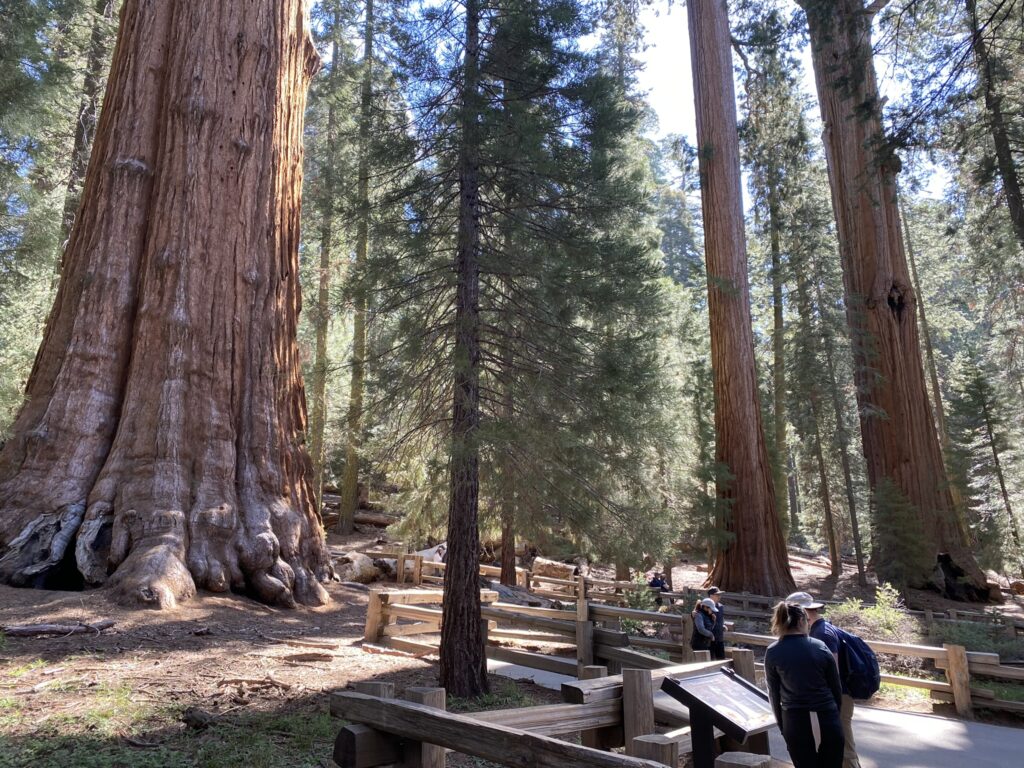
{"x":887,"y":739}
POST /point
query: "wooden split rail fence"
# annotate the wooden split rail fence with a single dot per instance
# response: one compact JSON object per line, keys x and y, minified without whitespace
{"x":589,"y":633}
{"x":412,"y":568}
{"x":608,"y":712}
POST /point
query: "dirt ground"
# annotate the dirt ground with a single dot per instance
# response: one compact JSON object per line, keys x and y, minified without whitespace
{"x":219,"y":681}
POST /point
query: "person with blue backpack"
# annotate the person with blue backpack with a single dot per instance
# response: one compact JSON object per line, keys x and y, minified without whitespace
{"x":804,"y":690}
{"x":859,"y":673}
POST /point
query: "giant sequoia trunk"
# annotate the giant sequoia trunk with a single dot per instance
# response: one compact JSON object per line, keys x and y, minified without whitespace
{"x":755,"y":560}
{"x":463,"y":663}
{"x":955,"y":492}
{"x":902,"y":454}
{"x":161,"y":446}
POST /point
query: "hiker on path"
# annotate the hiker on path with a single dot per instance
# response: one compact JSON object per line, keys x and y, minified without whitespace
{"x":803,"y":685}
{"x":820,"y":629}
{"x":718,"y":644}
{"x":703,"y":625}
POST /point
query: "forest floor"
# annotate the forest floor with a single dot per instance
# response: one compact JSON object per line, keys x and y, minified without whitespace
{"x":219,"y":681}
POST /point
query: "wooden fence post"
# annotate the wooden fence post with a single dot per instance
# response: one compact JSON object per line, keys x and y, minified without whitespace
{"x":702,"y":655}
{"x":599,"y":738}
{"x":959,"y":677}
{"x":584,"y":627}
{"x":743,"y":663}
{"x":425,"y":755}
{"x":417,"y":569}
{"x":687,"y":651}
{"x":375,"y":688}
{"x":637,"y":706}
{"x":400,"y":567}
{"x":657,"y":747}
{"x":374,"y":617}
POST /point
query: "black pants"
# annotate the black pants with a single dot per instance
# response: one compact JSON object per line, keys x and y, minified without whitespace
{"x":718,"y":650}
{"x":796,"y":730}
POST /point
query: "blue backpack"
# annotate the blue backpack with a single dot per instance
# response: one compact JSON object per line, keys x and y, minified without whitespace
{"x":858,"y":665}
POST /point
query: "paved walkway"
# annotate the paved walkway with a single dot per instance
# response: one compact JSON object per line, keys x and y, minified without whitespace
{"x":885,"y":739}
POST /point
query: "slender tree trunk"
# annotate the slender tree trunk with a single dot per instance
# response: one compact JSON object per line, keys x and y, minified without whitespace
{"x":350,"y":480}
{"x":1005,"y":163}
{"x":843,"y":439}
{"x":85,"y":121}
{"x":779,"y":360}
{"x":463,"y":663}
{"x":322,"y":312}
{"x":940,"y":412}
{"x":826,"y":496}
{"x":793,"y":484}
{"x":901,"y":448}
{"x":1010,"y":519}
{"x":755,"y":560}
{"x":162,"y":439}
{"x":508,"y":544}
{"x":506,"y":487}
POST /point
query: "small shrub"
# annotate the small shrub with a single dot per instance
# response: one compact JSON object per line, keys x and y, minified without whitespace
{"x":640,"y":597}
{"x":975,"y":636}
{"x":885,"y":620}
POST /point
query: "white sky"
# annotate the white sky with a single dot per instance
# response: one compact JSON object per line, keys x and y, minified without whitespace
{"x":667,"y":80}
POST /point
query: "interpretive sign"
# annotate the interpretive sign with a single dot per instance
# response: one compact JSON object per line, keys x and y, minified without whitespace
{"x":723,"y":700}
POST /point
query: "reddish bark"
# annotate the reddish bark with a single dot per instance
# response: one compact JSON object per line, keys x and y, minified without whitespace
{"x":161,"y":447}
{"x":463,"y":661}
{"x":755,"y":560}
{"x":898,"y":434}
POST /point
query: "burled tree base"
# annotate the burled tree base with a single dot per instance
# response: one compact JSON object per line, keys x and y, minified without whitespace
{"x":161,"y":446}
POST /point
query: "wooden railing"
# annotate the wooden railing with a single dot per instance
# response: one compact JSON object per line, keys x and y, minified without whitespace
{"x":590,"y":631}
{"x":609,"y":712}
{"x":955,"y":661}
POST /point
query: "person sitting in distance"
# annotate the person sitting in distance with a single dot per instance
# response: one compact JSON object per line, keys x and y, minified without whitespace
{"x":803,"y":685}
{"x":703,"y":625}
{"x":658,"y":582}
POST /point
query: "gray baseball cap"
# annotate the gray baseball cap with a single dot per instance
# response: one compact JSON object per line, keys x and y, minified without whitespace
{"x":804,"y":600}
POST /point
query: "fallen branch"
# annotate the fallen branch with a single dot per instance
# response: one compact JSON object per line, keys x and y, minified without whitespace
{"x":266,"y":682}
{"x":34,"y":630}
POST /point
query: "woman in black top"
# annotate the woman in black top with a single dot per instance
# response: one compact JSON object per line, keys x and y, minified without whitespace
{"x":803,"y":682}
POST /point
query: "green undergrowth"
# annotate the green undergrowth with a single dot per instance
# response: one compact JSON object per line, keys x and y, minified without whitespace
{"x":885,"y":620}
{"x":506,"y":694}
{"x":1005,"y":691}
{"x":975,"y":636}
{"x":112,"y":728}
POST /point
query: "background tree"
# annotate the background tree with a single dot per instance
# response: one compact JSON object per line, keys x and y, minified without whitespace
{"x":755,"y":559}
{"x":904,"y":461}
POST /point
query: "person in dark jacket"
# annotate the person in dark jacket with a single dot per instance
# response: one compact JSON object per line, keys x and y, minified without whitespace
{"x":803,"y":685}
{"x":820,"y":629}
{"x":718,"y":644}
{"x":703,"y":625}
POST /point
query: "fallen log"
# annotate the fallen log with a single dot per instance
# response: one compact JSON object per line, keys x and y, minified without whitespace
{"x":34,"y":630}
{"x":363,"y":517}
{"x":544,"y":567}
